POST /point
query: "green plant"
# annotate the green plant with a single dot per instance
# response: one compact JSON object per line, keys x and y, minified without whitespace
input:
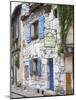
{"x":16,"y":40}
{"x":60,"y":50}
{"x":17,"y":62}
{"x":18,"y":84}
{"x":12,"y":44}
{"x":66,"y":16}
{"x":36,"y":34}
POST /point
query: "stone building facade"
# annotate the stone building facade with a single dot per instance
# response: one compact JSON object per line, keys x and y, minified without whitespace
{"x":43,"y":68}
{"x":40,"y":66}
{"x":15,"y":48}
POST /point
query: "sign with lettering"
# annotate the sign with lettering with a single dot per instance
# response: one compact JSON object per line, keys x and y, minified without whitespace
{"x":50,"y":40}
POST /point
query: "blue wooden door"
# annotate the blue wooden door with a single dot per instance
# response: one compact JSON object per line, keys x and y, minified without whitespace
{"x":51,"y":74}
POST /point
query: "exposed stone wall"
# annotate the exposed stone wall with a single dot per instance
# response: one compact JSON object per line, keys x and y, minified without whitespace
{"x":37,"y":48}
{"x":21,"y":53}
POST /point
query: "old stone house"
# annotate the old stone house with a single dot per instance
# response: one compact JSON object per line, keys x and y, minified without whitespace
{"x":43,"y":68}
{"x":15,"y":48}
{"x":40,"y":66}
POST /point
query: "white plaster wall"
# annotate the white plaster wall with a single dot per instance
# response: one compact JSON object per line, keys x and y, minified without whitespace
{"x":70,"y":35}
{"x":68,"y":63}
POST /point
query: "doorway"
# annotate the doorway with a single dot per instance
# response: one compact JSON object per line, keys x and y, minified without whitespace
{"x":68,"y":84}
{"x":51,"y":76}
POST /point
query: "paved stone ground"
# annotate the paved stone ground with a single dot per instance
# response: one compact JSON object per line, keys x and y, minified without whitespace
{"x":15,"y":95}
{"x":25,"y":93}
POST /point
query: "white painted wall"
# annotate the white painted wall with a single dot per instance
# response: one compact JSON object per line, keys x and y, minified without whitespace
{"x":68,"y":63}
{"x":70,"y":35}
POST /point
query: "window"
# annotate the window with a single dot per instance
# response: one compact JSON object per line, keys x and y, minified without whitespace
{"x":55,"y":13}
{"x":17,"y":61}
{"x":35,"y":30}
{"x":14,"y":27}
{"x":35,"y":67}
{"x":15,"y":30}
{"x":17,"y":27}
{"x":35,"y":72}
{"x":12,"y":30}
{"x":26,"y":72}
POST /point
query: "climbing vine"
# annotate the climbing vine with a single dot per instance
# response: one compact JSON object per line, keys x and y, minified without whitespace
{"x":66,"y":16}
{"x":17,"y":62}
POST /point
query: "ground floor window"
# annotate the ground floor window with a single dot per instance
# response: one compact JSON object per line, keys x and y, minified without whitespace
{"x":35,"y":67}
{"x":26,"y":73}
{"x":35,"y":71}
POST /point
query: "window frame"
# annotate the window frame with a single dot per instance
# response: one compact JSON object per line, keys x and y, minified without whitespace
{"x":35,"y":70}
{"x":35,"y":28}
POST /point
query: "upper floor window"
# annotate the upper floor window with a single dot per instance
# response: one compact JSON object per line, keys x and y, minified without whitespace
{"x":17,"y":27}
{"x":34,"y":29}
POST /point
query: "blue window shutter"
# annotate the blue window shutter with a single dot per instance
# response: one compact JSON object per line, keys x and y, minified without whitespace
{"x":29,"y":33}
{"x":31,"y":67}
{"x":41,"y":26}
{"x":39,"y":67}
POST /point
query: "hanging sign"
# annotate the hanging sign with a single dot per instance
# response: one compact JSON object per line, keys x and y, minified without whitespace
{"x":50,"y":40}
